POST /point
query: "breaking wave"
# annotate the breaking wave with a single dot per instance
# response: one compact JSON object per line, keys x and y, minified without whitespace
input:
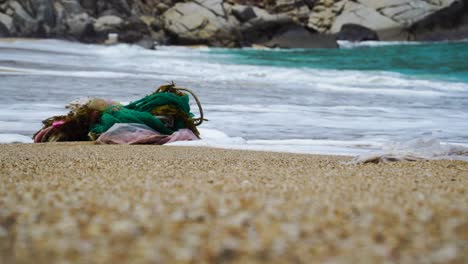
{"x":305,"y":101}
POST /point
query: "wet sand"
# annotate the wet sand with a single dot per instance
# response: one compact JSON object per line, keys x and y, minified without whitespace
{"x":154,"y":204}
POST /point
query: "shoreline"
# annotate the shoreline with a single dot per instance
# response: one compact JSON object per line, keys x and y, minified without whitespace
{"x":81,"y":202}
{"x":340,"y":44}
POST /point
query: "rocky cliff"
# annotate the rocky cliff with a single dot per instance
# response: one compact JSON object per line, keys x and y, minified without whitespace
{"x":234,"y":23}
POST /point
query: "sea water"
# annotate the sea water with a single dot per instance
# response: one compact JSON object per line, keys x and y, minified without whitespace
{"x":344,"y":101}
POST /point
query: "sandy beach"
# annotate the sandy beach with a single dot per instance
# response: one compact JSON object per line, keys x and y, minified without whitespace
{"x":87,"y":203}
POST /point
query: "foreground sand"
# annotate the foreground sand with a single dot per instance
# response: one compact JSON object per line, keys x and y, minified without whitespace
{"x":86,"y":203}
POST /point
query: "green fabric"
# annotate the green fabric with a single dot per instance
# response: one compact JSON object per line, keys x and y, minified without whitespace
{"x":140,"y":112}
{"x":148,"y":103}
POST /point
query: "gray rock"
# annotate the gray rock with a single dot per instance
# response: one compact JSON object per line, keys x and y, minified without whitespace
{"x":25,"y":24}
{"x":243,"y":13}
{"x":407,"y":12}
{"x":146,"y":43}
{"x":356,"y":33}
{"x":359,"y":14}
{"x":263,"y":27}
{"x":215,"y":6}
{"x":72,"y":7}
{"x":162,"y":7}
{"x":7,"y":22}
{"x":192,"y":23}
{"x":79,"y":24}
{"x":4,"y":32}
{"x":299,"y":37}
{"x":133,"y":30}
{"x":45,"y":12}
{"x":107,"y":23}
{"x":449,"y":23}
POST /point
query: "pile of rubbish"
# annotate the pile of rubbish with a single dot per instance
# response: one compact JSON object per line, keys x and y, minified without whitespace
{"x":161,"y":117}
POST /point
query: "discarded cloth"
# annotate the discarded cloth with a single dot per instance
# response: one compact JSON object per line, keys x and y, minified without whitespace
{"x":135,"y":133}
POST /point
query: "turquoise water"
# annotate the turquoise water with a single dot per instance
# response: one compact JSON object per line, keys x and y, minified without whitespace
{"x":447,"y":61}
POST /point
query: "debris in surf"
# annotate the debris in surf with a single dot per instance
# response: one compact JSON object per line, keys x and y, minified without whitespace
{"x":161,"y":117}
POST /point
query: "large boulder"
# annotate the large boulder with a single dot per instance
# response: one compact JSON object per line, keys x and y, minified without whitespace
{"x":407,"y":12}
{"x":356,"y":33}
{"x":449,"y":23}
{"x":298,"y":37}
{"x":23,"y":19}
{"x":360,"y":14}
{"x":263,"y":26}
{"x":384,"y":15}
{"x":202,"y":22}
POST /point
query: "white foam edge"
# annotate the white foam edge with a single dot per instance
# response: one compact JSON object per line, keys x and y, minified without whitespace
{"x":14,"y":138}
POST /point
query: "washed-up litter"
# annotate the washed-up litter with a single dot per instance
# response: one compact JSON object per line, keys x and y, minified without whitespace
{"x":426,"y":148}
{"x":161,"y":117}
{"x":141,"y":134}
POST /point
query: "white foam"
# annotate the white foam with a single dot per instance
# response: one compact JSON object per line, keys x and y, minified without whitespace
{"x":371,"y":43}
{"x":423,"y":148}
{"x":217,"y":139}
{"x":14,"y":138}
{"x":185,"y":64}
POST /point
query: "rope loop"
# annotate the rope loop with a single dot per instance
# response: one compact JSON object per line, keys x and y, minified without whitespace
{"x":171,"y":88}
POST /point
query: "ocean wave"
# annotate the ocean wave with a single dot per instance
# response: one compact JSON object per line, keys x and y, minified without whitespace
{"x":371,"y":43}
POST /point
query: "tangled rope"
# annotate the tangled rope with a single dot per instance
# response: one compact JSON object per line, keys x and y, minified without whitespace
{"x":171,"y":88}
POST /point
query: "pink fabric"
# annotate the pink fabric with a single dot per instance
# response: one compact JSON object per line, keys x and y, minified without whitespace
{"x":38,"y":137}
{"x":58,"y":123}
{"x":140,"y":134}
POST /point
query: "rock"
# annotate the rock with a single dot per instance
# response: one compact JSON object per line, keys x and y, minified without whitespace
{"x":460,"y":33}
{"x":243,"y":13}
{"x":73,"y":7}
{"x":119,"y":8}
{"x":362,"y":15}
{"x":356,"y":33}
{"x":235,"y":22}
{"x":192,"y":23}
{"x":146,"y":43}
{"x":323,"y":15}
{"x":133,"y":30}
{"x":407,"y":12}
{"x":107,"y":23}
{"x":282,"y":6}
{"x":162,"y":7}
{"x":24,"y":22}
{"x":264,"y":26}
{"x":80,"y":26}
{"x":45,"y":12}
{"x":4,"y":32}
{"x":89,"y":5}
{"x":7,"y":22}
{"x":446,"y":21}
{"x":215,"y":6}
{"x":299,"y":37}
{"x":157,"y":25}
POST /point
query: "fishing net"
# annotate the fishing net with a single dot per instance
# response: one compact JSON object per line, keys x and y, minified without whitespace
{"x":166,"y":111}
